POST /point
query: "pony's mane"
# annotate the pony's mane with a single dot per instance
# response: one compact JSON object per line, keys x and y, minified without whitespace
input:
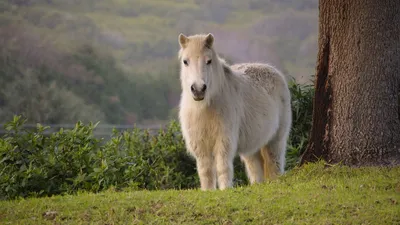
{"x":225,"y":66}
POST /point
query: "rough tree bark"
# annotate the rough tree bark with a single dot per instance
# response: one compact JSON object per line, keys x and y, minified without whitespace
{"x":356,"y":104}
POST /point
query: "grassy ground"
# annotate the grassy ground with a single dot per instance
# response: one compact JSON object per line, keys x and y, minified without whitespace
{"x":314,"y":194}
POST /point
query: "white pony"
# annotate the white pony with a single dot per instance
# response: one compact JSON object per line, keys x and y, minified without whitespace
{"x":227,"y":110}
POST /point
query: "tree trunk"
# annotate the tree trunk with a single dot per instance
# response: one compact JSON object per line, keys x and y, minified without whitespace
{"x":356,"y":104}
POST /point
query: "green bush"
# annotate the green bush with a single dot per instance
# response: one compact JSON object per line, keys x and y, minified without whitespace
{"x":35,"y":164}
{"x":302,"y":107}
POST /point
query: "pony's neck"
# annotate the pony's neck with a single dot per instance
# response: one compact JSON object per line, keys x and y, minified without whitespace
{"x":225,"y":82}
{"x":227,"y":76}
{"x":223,"y":70}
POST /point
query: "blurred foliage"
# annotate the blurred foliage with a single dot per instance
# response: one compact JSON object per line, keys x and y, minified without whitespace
{"x":142,"y":35}
{"x":86,"y":84}
{"x":115,"y":61}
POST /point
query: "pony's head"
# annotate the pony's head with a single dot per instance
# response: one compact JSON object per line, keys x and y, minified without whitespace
{"x":200,"y":66}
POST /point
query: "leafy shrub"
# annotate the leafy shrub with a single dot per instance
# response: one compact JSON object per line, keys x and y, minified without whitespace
{"x":302,"y":107}
{"x":35,"y":164}
{"x":70,"y":160}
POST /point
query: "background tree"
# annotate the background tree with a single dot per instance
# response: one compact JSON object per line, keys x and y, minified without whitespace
{"x":356,"y":111}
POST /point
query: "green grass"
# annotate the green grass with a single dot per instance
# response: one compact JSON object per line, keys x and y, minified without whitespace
{"x":314,"y":194}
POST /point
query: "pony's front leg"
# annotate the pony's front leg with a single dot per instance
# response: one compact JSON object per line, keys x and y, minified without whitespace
{"x":206,"y":171}
{"x":224,"y":155}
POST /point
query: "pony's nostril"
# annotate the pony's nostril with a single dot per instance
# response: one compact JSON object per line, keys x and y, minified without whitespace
{"x":198,"y":91}
{"x":203,"y":89}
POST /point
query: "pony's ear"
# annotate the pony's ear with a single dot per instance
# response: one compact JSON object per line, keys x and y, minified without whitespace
{"x":183,"y":40}
{"x":209,"y":41}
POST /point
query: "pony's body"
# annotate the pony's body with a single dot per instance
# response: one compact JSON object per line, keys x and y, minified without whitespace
{"x":245,"y":110}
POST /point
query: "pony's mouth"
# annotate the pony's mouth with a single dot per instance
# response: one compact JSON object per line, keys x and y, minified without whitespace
{"x":198,"y":98}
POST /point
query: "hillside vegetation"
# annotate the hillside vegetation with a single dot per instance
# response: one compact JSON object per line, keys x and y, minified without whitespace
{"x":114,"y":61}
{"x":314,"y":194}
{"x":143,"y":34}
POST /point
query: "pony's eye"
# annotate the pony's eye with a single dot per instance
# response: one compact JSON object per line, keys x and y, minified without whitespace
{"x":185,"y":62}
{"x":208,"y":62}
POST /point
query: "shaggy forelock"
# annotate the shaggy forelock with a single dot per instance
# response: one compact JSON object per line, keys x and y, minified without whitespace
{"x":195,"y":45}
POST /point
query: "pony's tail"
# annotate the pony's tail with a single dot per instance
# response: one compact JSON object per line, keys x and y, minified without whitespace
{"x":270,"y":167}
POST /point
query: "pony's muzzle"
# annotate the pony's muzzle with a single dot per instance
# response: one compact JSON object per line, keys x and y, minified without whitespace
{"x":198,"y":93}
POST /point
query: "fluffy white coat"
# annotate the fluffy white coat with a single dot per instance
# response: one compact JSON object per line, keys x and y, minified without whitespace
{"x":246,"y":110}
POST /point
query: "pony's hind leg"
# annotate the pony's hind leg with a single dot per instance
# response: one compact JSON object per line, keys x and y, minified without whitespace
{"x":254,"y":167}
{"x":276,"y":148}
{"x":271,"y":169}
{"x":275,"y":152}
